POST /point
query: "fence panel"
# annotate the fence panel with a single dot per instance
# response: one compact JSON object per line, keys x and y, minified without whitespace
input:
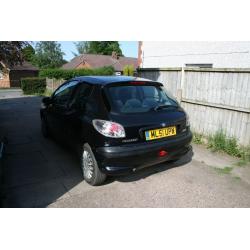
{"x":214,"y":98}
{"x":53,"y":84}
{"x":171,"y":78}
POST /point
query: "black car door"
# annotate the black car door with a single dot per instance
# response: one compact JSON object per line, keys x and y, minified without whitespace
{"x":74,"y":122}
{"x":59,"y":107}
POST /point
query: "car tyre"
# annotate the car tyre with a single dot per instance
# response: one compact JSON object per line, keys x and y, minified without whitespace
{"x":91,"y":172}
{"x":44,"y":128}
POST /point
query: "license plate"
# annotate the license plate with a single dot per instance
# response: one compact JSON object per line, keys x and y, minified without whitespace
{"x":160,"y":133}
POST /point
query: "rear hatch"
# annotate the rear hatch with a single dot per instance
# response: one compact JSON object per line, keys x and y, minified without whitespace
{"x":146,"y":111}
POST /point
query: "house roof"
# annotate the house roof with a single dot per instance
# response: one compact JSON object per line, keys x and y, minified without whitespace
{"x":97,"y":61}
{"x":24,"y":66}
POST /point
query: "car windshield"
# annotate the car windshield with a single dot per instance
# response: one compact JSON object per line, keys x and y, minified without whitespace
{"x":139,"y":98}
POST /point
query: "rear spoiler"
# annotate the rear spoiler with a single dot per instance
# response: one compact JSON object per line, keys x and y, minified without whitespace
{"x":133,"y":83}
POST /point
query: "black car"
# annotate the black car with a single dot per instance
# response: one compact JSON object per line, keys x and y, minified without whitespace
{"x":117,"y":124}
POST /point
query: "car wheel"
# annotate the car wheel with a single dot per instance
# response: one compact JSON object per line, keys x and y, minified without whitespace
{"x":44,"y":128}
{"x":90,"y":169}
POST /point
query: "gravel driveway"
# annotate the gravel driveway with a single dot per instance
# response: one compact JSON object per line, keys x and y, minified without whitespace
{"x":40,"y":173}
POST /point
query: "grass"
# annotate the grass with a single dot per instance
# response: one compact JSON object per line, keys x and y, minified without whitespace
{"x":48,"y":92}
{"x":197,"y":138}
{"x":226,"y":170}
{"x":220,"y":142}
{"x":237,"y":178}
{"x":241,"y":163}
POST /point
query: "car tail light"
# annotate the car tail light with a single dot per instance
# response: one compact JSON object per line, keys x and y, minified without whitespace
{"x":162,"y":153}
{"x":109,"y":129}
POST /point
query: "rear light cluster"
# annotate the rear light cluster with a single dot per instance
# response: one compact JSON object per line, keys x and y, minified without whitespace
{"x":109,"y":129}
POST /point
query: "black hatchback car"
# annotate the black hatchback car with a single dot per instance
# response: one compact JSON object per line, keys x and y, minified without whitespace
{"x":117,"y":124}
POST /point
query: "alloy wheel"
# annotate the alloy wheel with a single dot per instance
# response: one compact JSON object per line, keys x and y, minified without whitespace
{"x":88,"y":165}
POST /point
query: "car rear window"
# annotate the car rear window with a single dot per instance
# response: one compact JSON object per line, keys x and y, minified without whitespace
{"x":138,"y":98}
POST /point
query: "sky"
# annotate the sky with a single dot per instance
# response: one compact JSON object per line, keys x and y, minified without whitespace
{"x":129,"y":48}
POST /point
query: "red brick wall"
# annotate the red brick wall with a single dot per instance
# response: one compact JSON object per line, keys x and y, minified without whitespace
{"x":5,"y":82}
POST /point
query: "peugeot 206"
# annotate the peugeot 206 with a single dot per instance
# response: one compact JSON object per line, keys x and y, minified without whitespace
{"x":117,"y":124}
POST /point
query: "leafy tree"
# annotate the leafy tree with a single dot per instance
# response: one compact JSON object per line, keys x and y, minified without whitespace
{"x":99,"y":47}
{"x":11,"y":52}
{"x":105,"y":47}
{"x":28,"y":53}
{"x":128,"y":70}
{"x":48,"y":55}
{"x":81,"y":47}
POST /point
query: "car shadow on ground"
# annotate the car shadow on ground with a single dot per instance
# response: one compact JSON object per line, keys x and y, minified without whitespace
{"x":151,"y":170}
{"x":36,"y":171}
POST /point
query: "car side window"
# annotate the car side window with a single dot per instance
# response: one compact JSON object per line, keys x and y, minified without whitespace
{"x":81,"y":95}
{"x":63,"y":93}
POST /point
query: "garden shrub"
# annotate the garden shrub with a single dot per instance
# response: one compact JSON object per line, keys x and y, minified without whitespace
{"x":33,"y":85}
{"x":71,"y":73}
{"x":128,"y":70}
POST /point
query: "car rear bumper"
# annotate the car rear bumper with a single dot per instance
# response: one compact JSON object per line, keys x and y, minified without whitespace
{"x":125,"y":159}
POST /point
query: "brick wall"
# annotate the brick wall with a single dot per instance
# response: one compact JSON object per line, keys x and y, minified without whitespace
{"x":5,"y":82}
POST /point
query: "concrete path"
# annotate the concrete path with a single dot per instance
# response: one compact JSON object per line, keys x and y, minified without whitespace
{"x":40,"y":173}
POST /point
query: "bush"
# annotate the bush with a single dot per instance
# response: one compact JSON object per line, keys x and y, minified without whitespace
{"x":71,"y":73}
{"x":33,"y":85}
{"x":128,"y":70}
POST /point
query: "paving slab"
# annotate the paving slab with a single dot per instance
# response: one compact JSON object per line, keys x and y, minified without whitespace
{"x":214,"y":159}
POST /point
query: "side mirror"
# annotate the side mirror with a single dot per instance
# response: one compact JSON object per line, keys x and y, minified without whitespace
{"x":47,"y":100}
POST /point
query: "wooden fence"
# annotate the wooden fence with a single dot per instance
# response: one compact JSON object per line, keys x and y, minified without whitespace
{"x":214,"y":98}
{"x":53,"y":84}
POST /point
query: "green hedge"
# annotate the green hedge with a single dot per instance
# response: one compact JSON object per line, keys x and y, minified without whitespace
{"x":70,"y":73}
{"x":33,"y":85}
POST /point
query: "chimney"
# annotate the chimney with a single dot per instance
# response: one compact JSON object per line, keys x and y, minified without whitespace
{"x":115,"y":55}
{"x":139,"y":54}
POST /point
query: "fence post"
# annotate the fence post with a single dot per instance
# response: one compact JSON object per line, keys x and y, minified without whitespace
{"x":180,"y":90}
{"x":52,"y":84}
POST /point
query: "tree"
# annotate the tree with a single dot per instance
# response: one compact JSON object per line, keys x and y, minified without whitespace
{"x":99,"y":47}
{"x":28,"y":53}
{"x":105,"y":47}
{"x":128,"y":70}
{"x":48,"y":55}
{"x":11,"y":52}
{"x":81,"y":47}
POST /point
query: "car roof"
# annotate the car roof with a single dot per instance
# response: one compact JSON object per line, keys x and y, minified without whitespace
{"x":104,"y":80}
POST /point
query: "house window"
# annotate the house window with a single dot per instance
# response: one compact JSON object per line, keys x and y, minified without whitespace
{"x":1,"y":75}
{"x":200,"y":65}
